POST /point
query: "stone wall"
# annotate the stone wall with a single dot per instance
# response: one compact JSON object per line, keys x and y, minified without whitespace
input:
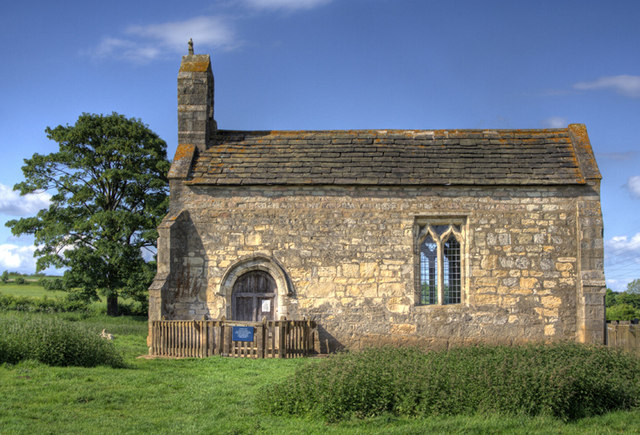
{"x":349,"y":260}
{"x":195,"y":100}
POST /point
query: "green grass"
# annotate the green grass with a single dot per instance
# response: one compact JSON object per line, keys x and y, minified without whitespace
{"x":32,"y":290}
{"x":214,"y":395}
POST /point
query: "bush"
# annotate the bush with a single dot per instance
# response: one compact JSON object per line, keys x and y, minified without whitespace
{"x":54,"y":342}
{"x":52,"y":283}
{"x":134,"y":308}
{"x":20,"y":280}
{"x":41,"y":305}
{"x":568,"y":381}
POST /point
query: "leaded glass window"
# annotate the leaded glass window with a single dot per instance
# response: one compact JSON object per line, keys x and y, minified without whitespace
{"x":428,"y":271}
{"x":440,"y":250}
{"x":451,"y":273}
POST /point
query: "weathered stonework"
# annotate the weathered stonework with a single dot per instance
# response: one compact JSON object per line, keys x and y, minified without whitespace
{"x":345,"y":252}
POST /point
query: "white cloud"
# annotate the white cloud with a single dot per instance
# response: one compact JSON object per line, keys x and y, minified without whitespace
{"x":621,"y":245}
{"x":14,"y":204}
{"x":617,"y":285}
{"x":555,"y":122}
{"x":144,"y":43}
{"x":17,"y":258}
{"x":285,"y":4}
{"x":626,"y":85}
{"x":206,"y":31}
{"x":633,"y":185}
{"x":622,"y":260}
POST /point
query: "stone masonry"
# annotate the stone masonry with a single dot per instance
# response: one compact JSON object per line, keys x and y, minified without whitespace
{"x":335,"y":217}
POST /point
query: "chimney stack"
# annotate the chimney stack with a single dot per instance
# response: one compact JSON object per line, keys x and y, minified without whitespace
{"x":195,"y":100}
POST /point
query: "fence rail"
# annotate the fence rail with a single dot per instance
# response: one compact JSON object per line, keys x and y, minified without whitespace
{"x":203,"y":338}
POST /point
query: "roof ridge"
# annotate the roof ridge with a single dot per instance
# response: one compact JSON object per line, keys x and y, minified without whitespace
{"x":393,"y":130}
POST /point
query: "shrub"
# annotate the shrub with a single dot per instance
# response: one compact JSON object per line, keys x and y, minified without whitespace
{"x":41,"y":305}
{"x":20,"y":280}
{"x":52,"y":283}
{"x":134,"y":308}
{"x":54,"y":342}
{"x":568,"y":381}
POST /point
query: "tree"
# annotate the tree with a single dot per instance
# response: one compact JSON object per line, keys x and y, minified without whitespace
{"x":109,"y":185}
{"x":5,"y":277}
{"x":634,"y":287}
{"x":610,"y":298}
{"x":622,"y":312}
{"x":632,"y":299}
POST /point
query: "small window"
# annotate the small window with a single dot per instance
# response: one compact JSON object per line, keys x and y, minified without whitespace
{"x":440,"y":264}
{"x":428,"y":271}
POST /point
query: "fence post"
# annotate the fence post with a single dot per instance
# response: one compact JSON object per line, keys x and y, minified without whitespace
{"x":203,"y":338}
{"x":218,"y":334}
{"x":305,"y":336}
{"x":260,"y":344}
{"x":153,"y":337}
{"x":282,"y":329}
{"x":227,"y":340}
{"x":193,"y":340}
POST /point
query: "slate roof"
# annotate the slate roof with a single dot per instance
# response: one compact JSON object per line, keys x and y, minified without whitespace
{"x":393,"y":157}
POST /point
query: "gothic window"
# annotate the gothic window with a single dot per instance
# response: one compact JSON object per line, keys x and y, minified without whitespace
{"x":440,"y":264}
{"x":428,"y":271}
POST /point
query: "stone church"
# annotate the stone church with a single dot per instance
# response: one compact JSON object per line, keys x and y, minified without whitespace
{"x":428,"y":237}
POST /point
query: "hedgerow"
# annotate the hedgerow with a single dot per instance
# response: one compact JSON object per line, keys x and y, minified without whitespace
{"x":42,"y":305}
{"x":54,"y":342}
{"x":568,"y":381}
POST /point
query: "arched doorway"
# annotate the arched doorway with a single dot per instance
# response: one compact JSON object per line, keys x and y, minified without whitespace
{"x":253,"y":296}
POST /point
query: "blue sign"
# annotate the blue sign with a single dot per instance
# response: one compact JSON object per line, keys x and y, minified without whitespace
{"x":242,"y":333}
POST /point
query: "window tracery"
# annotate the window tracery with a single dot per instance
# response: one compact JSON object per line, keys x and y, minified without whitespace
{"x":440,"y":264}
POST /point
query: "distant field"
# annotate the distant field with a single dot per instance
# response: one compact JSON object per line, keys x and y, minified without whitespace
{"x":32,"y":289}
{"x":28,"y":289}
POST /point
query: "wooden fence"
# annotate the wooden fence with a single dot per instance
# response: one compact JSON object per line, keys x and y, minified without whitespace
{"x":624,"y":335}
{"x":203,"y":338}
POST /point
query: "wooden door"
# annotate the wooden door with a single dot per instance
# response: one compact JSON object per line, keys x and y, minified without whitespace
{"x":253,"y":297}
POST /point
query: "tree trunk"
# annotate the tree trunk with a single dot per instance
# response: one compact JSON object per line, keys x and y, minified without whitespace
{"x":112,"y":305}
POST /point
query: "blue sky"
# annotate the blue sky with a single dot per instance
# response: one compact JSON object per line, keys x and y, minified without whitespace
{"x":332,"y":64}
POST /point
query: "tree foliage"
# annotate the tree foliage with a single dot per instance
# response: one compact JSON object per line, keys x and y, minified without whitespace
{"x":109,"y":185}
{"x":624,"y":305}
{"x":634,"y":287}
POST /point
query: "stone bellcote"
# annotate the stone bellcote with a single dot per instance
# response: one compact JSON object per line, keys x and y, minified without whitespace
{"x":195,"y":100}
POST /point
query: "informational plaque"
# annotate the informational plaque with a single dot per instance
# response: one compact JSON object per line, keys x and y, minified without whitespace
{"x":242,"y":333}
{"x":266,"y":305}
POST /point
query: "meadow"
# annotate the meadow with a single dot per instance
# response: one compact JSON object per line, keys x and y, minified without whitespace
{"x":213,"y":395}
{"x":29,"y":289}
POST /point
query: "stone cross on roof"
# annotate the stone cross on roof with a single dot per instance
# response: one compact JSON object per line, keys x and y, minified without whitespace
{"x":190,"y":46}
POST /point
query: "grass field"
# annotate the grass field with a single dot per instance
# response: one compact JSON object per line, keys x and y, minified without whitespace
{"x":32,"y":290}
{"x":213,"y":395}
